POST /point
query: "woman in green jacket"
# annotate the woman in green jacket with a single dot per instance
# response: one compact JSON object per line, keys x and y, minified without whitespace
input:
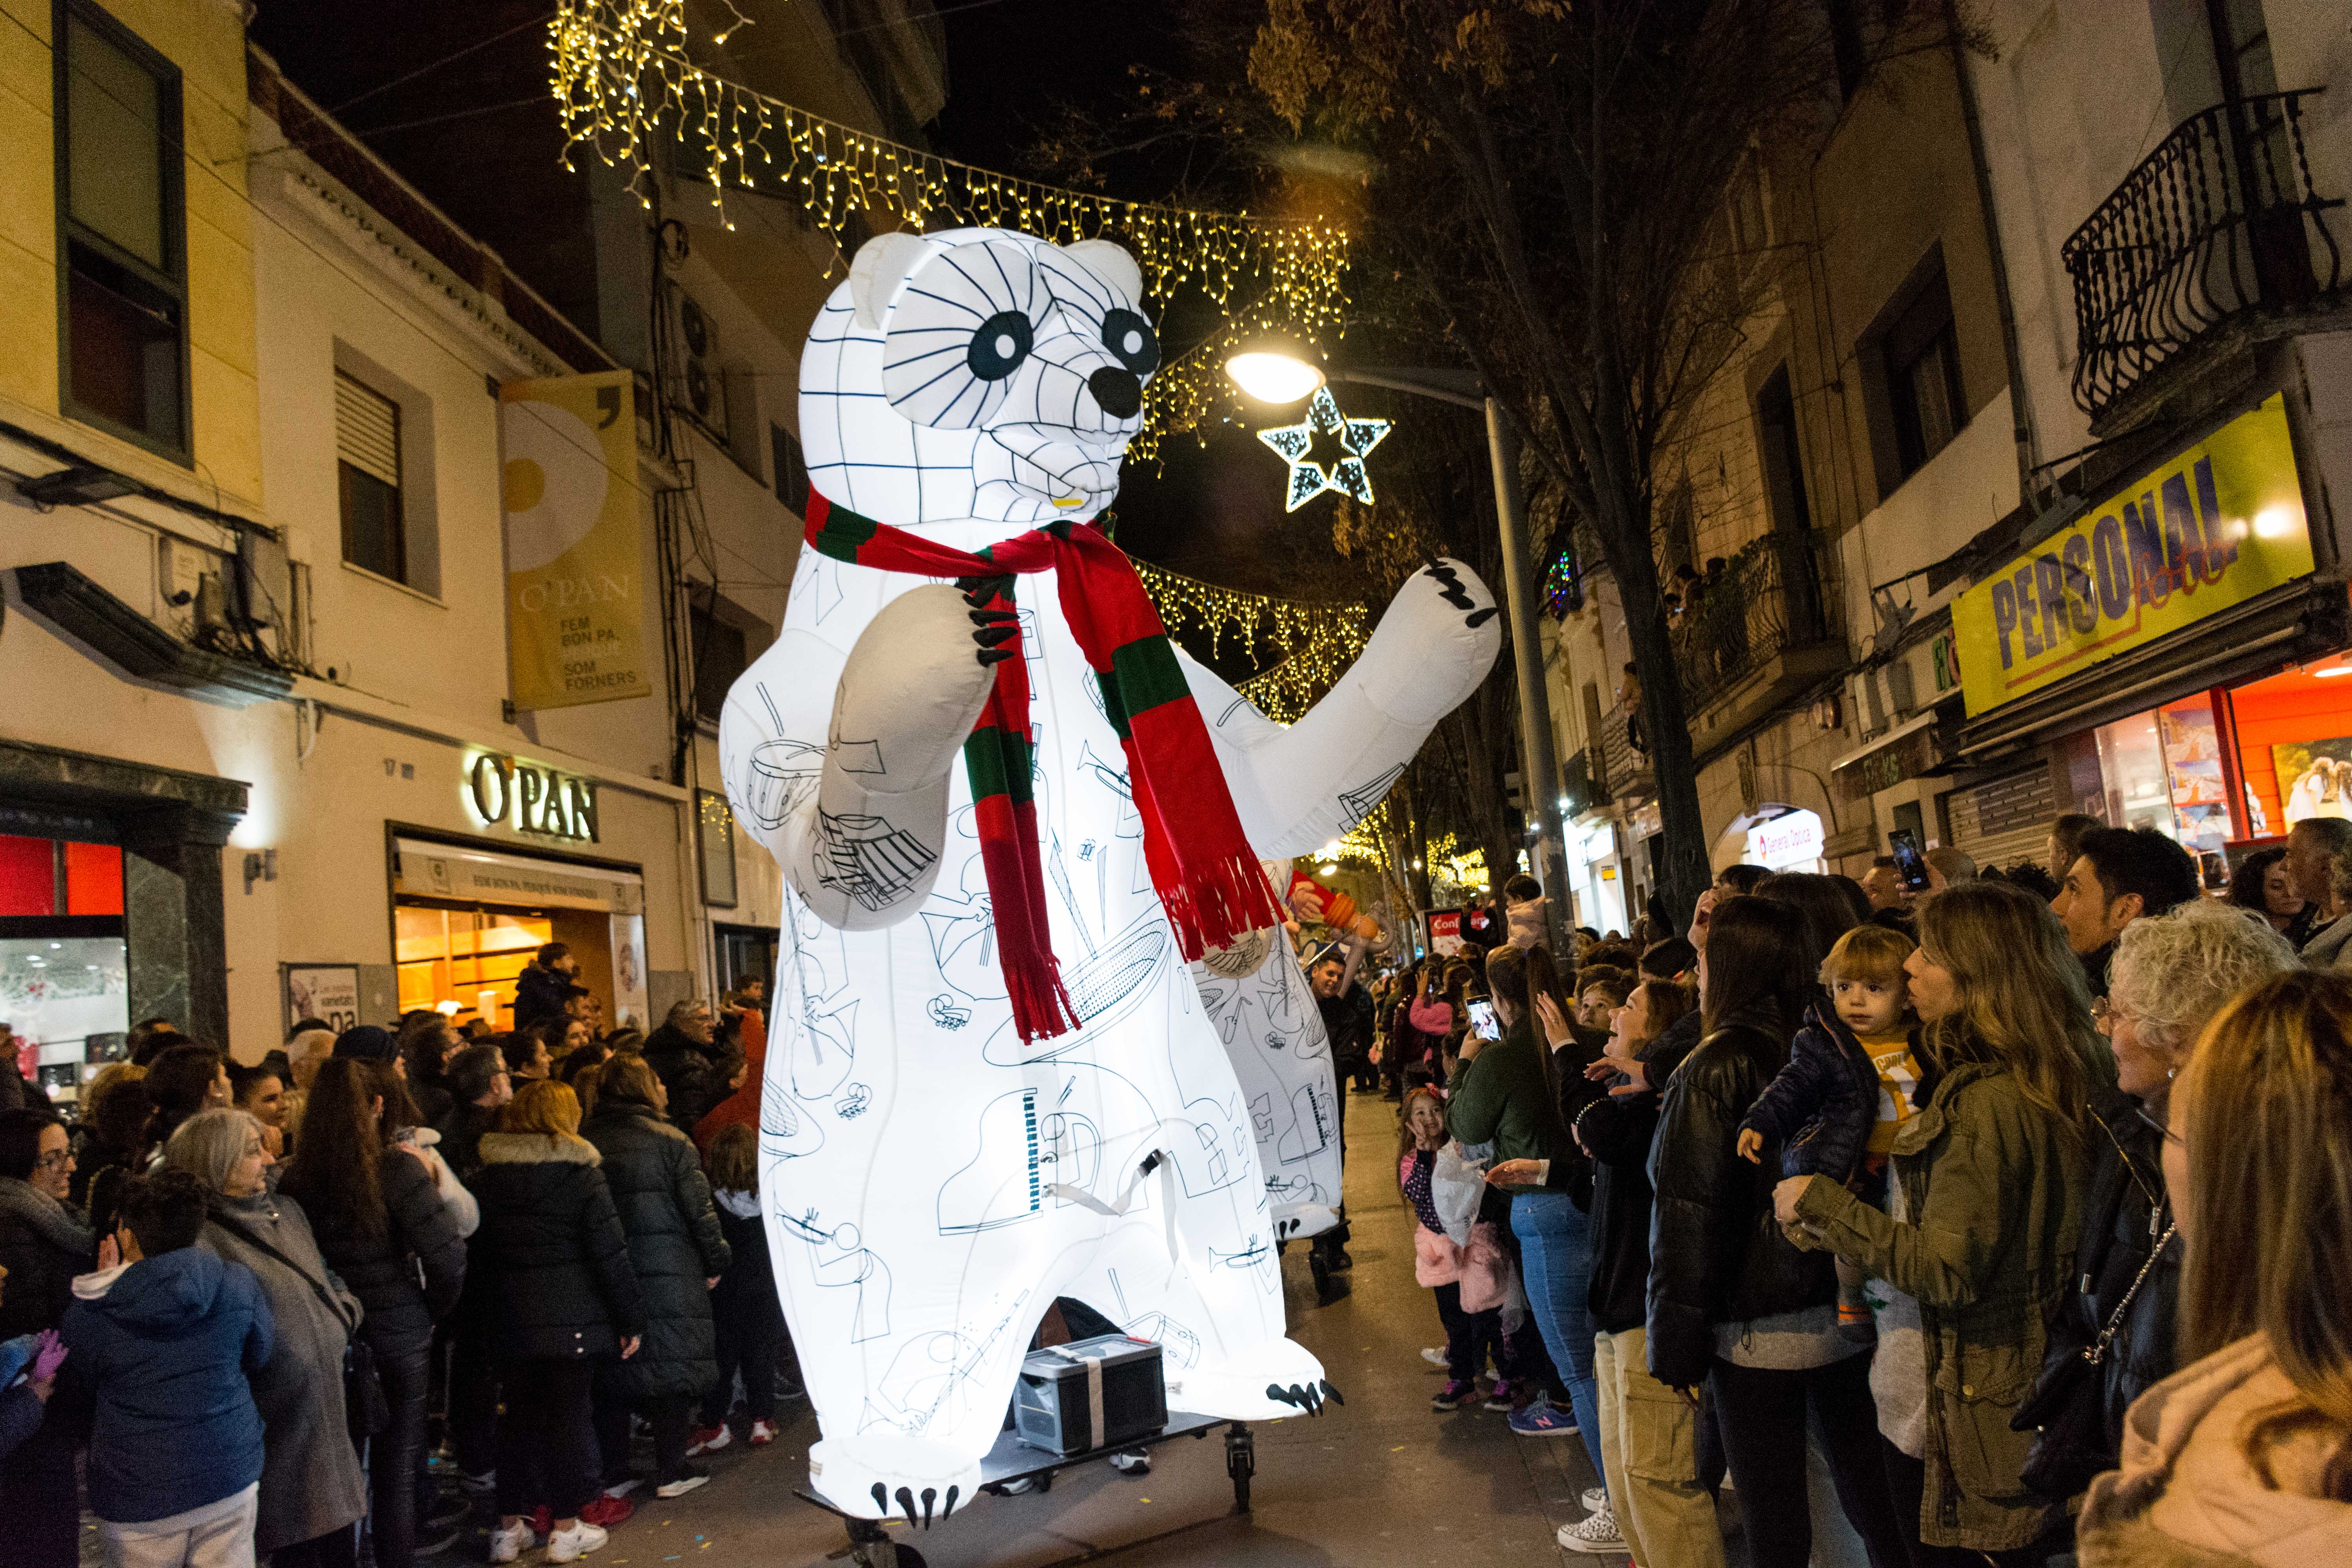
{"x":1507,"y":1096}
{"x":1986,"y":1209}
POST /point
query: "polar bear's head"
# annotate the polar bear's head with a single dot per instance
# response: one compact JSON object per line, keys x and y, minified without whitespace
{"x":977,"y":373}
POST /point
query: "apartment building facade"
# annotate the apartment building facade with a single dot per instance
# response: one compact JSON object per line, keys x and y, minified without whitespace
{"x":1959,"y":362}
{"x":262,"y":755}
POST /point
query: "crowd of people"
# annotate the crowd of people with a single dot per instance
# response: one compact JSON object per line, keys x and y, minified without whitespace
{"x":2021,"y":1198}
{"x":241,"y":1306}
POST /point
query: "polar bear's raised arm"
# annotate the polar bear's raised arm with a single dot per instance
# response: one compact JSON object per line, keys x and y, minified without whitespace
{"x":1298,"y":789}
{"x":840,"y":765}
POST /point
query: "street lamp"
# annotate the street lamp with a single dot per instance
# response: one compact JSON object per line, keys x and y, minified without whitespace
{"x":1278,"y":372}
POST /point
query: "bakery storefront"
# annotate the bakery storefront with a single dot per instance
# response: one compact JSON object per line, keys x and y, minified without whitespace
{"x":469,"y":910}
{"x":2171,"y":656}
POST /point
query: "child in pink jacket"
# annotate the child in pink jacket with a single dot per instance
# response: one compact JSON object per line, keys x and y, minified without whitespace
{"x":1440,"y":1263}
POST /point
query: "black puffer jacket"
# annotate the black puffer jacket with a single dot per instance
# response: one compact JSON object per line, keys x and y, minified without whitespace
{"x":461,"y":1139}
{"x":539,"y":995}
{"x":555,"y":1280}
{"x":1717,"y":1255}
{"x":420,"y":1236}
{"x":1619,"y":1130}
{"x":675,"y":1242}
{"x":688,"y":1071}
{"x":2127,"y":1212}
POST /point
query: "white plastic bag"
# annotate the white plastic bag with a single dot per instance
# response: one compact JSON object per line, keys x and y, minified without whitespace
{"x":1457,"y":1183}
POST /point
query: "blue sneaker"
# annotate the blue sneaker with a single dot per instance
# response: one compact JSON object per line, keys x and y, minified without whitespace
{"x":1542,"y":1419}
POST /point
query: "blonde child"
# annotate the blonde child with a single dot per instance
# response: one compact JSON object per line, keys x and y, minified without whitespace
{"x":1834,"y":1110}
{"x":1470,"y":1337}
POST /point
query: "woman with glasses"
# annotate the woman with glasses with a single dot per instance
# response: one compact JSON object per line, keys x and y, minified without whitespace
{"x":1977,"y":1243}
{"x":43,"y":1243}
{"x":2244,"y":1455}
{"x":2171,"y":975}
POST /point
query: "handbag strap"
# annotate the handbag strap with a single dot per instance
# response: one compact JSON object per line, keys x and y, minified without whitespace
{"x":318,"y":1289}
{"x":2096,"y":1352}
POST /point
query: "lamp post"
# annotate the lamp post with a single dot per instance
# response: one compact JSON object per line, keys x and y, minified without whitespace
{"x":1280,"y":375}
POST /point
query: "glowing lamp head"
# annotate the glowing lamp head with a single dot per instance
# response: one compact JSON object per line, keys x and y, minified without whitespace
{"x":1272,"y":373}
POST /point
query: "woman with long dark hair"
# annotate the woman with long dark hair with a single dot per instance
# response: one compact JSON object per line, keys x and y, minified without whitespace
{"x":1984,"y":1213}
{"x":381,"y":1224}
{"x":1731,"y":1304}
{"x":2261,"y":887}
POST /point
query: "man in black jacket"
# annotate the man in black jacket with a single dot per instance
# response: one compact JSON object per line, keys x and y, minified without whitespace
{"x":685,"y":1056}
{"x":545,"y":984}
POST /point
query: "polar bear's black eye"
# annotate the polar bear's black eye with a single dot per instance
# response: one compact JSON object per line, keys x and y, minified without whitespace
{"x":998,"y":346}
{"x":1130,"y":337}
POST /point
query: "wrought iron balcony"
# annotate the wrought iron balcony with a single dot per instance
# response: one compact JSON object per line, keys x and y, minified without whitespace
{"x":2218,"y":227}
{"x":1767,"y":600}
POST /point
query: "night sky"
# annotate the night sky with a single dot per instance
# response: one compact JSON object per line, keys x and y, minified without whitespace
{"x":1010,"y":63}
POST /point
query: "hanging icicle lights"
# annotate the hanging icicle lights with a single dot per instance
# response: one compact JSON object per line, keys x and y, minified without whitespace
{"x":622,"y":69}
{"x":1316,"y":642}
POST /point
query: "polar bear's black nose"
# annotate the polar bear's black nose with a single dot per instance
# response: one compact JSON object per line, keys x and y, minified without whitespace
{"x":1120,"y":394}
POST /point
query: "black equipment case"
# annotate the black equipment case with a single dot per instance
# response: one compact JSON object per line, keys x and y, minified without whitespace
{"x":1090,"y":1393}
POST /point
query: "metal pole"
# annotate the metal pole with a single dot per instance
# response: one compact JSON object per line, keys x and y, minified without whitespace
{"x":1538,"y":766}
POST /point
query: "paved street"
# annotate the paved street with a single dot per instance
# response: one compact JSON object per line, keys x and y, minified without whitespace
{"x":1380,"y":1481}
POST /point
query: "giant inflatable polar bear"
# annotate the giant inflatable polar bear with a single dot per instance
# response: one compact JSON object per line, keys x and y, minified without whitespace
{"x":932,"y":1175}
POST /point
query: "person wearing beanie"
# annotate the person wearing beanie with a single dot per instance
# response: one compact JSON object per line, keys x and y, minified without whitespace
{"x":367,"y":1043}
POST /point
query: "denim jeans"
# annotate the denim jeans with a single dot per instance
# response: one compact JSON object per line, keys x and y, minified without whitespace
{"x":1556,"y":1258}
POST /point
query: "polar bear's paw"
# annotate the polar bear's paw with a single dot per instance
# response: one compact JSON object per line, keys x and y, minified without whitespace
{"x":1265,"y":1382}
{"x":882,"y":1475}
{"x":1297,"y":1222}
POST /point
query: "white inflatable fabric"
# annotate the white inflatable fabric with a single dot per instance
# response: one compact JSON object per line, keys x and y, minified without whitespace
{"x":931,"y":1182}
{"x":1261,"y":1006}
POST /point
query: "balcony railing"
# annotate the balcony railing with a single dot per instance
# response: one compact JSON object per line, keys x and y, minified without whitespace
{"x":2219,"y":226}
{"x":1767,"y":600}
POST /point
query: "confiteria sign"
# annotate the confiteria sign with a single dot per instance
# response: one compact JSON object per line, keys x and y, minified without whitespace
{"x":529,"y":798}
{"x":2219,"y":524}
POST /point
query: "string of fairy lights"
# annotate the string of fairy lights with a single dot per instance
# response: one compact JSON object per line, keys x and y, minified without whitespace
{"x":1317,"y":641}
{"x":623,"y":79}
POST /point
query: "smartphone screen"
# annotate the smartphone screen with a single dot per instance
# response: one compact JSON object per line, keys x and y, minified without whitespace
{"x":1909,"y":864}
{"x":1482,"y":1020}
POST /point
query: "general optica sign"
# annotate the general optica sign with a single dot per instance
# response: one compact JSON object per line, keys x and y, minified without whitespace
{"x":2217,"y":525}
{"x":575,"y":589}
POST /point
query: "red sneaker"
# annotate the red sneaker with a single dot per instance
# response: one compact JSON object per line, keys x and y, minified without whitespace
{"x":709,"y":1439}
{"x":607,"y":1511}
{"x":762,"y":1434}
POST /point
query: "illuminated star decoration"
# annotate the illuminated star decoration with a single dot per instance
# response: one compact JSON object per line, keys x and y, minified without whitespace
{"x":1325,"y":452}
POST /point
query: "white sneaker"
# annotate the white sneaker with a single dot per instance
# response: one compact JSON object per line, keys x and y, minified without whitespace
{"x":512,"y":1542}
{"x":1595,"y":1534}
{"x":1434,"y":1355}
{"x":565,"y":1545}
{"x":680,"y":1487}
{"x":1594,"y":1498}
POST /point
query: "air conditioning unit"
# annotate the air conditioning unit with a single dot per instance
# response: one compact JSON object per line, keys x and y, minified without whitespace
{"x":700,"y":384}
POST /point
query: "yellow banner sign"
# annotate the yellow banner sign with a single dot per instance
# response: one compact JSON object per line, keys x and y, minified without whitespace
{"x":2219,"y":524}
{"x":575,"y":540}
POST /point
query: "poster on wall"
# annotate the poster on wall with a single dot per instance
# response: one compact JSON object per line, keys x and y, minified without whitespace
{"x":329,"y":992}
{"x":629,"y":1006}
{"x":1444,"y":931}
{"x":2192,"y":768}
{"x":575,"y":540}
{"x":2314,"y":777}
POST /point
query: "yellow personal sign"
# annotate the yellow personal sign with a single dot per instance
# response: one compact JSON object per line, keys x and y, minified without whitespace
{"x":2217,"y":525}
{"x":575,"y":540}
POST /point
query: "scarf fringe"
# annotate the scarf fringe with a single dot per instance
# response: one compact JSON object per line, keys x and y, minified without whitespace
{"x":1217,"y":902}
{"x":1042,"y":1007}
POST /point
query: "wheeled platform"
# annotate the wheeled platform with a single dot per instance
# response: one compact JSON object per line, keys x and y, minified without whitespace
{"x":871,"y":1544}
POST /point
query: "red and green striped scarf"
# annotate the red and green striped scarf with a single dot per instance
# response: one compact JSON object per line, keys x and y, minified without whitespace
{"x":1205,"y":872}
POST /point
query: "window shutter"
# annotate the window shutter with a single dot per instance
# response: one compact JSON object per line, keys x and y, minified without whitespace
{"x":367,"y":430}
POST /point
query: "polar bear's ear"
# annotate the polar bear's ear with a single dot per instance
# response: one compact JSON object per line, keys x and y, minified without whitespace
{"x":881,"y":265}
{"x":1111,"y":263}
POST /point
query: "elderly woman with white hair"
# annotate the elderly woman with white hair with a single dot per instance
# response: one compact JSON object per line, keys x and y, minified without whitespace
{"x":2171,"y":975}
{"x":312,"y":1495}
